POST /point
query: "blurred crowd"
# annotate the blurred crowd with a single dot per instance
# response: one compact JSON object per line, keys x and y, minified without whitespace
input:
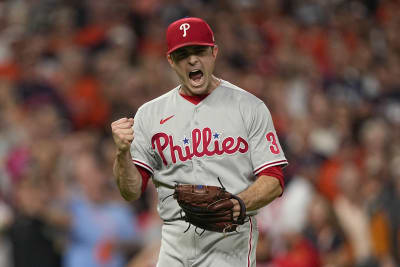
{"x":329,"y":71}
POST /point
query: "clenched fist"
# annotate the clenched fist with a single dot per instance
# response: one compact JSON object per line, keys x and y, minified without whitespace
{"x":122,"y":132}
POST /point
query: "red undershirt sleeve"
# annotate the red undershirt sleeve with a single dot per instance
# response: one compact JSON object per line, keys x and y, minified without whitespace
{"x":276,"y":172}
{"x":145,"y":176}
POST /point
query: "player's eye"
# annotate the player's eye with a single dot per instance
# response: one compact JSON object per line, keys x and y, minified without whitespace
{"x":200,"y":50}
{"x":180,"y":55}
{"x":185,"y":52}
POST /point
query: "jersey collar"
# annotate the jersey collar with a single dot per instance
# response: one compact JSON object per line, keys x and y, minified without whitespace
{"x":194,"y":99}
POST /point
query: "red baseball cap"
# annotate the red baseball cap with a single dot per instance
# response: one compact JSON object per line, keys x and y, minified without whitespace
{"x":189,"y":31}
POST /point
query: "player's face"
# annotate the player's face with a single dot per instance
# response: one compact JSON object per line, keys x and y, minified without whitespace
{"x":194,"y":66}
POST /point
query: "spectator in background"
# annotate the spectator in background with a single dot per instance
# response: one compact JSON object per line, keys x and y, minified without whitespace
{"x":393,"y":211}
{"x":352,"y":215}
{"x":326,"y":235}
{"x":81,"y":91}
{"x":101,"y":232}
{"x":5,"y":221}
{"x":32,"y":237}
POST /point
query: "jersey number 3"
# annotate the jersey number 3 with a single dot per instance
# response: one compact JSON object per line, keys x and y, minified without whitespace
{"x":273,"y":145}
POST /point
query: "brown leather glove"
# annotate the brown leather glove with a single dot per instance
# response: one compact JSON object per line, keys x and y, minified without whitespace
{"x":209,"y":207}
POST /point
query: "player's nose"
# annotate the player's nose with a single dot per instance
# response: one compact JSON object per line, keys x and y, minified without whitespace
{"x":193,"y":59}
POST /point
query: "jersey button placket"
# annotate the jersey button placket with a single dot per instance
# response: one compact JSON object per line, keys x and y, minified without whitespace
{"x":196,"y":111}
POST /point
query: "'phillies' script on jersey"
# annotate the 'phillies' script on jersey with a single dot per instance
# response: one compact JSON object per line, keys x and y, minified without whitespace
{"x":201,"y":145}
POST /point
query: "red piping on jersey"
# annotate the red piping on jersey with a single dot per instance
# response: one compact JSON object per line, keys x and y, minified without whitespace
{"x":195,"y":99}
{"x":280,"y":162}
{"x":144,"y":165}
{"x":250,"y":239}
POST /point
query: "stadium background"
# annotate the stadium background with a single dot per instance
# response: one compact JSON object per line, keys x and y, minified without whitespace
{"x":329,"y":70}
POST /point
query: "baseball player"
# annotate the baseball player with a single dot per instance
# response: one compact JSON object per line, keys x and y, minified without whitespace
{"x":204,"y":129}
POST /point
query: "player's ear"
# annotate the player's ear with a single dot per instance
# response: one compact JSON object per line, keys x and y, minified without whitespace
{"x":170,"y":61}
{"x":214,"y":51}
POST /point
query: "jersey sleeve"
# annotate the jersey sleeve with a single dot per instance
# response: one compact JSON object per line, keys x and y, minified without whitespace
{"x":265,"y":148}
{"x":141,"y":151}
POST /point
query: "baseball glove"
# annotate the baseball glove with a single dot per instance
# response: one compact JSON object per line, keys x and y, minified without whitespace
{"x":209,"y":207}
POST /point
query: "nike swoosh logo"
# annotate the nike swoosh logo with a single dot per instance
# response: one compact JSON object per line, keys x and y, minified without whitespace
{"x":162,"y":121}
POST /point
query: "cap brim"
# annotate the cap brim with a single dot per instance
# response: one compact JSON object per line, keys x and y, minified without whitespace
{"x":188,"y":44}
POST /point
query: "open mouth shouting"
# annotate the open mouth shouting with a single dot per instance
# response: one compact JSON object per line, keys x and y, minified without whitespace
{"x":196,"y":77}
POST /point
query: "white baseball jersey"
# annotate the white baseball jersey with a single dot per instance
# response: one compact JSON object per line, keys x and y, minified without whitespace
{"x":229,"y":134}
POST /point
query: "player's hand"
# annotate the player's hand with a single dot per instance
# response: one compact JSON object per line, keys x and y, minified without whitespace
{"x":236,"y":208}
{"x":122,"y":132}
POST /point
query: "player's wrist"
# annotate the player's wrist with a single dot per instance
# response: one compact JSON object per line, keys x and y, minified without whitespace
{"x":122,"y":152}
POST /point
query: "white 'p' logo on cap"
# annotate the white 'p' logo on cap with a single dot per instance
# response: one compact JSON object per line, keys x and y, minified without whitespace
{"x":184,"y":27}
